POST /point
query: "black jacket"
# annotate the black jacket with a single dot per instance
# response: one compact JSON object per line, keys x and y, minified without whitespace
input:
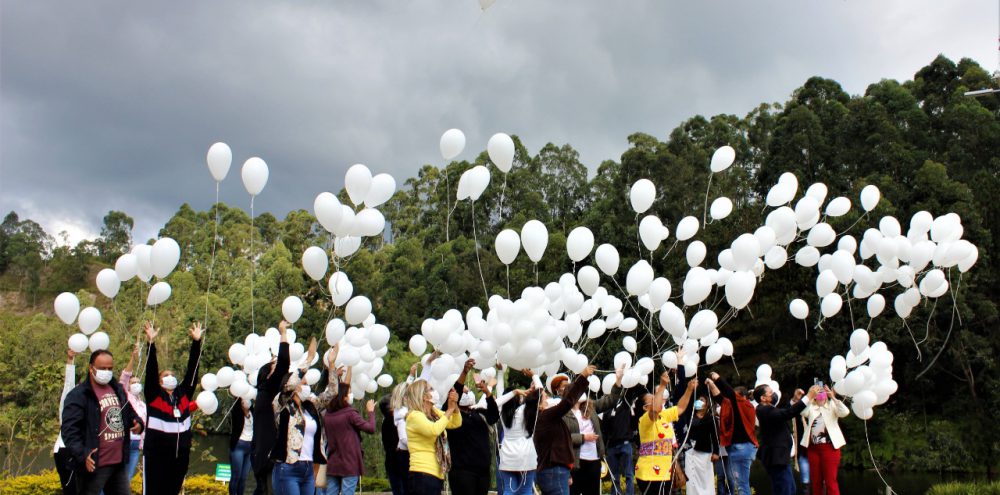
{"x":236,"y":423}
{"x":264,"y":429}
{"x":81,"y":420}
{"x":470,"y":443}
{"x":775,"y":437}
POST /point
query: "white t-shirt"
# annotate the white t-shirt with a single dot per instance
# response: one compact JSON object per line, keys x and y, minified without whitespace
{"x":588,"y":450}
{"x":399,"y":421}
{"x":307,"y":438}
{"x":247,"y":434}
{"x":517,"y":452}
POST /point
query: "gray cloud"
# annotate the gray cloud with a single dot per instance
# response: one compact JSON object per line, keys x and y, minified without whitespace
{"x":108,"y":105}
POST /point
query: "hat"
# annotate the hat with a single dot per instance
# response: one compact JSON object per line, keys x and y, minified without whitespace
{"x":556,"y":381}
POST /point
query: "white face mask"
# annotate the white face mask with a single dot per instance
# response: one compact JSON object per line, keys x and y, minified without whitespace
{"x":304,"y":392}
{"x":435,"y":398}
{"x":169,"y":382}
{"x":103,"y":377}
{"x":468,"y":399}
{"x":135,"y":388}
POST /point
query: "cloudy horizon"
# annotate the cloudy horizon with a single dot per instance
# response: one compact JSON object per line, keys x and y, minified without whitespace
{"x":110,"y":106}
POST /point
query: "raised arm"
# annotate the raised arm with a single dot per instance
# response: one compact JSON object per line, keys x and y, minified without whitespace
{"x":723,"y":386}
{"x":151,"y":385}
{"x":685,"y":399}
{"x":576,"y":391}
{"x":609,"y":401}
{"x":657,"y":405}
{"x":492,"y":413}
{"x":273,"y":382}
{"x":194,"y":357}
{"x":69,"y":380}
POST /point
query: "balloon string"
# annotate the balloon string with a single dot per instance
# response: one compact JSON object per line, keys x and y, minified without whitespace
{"x":508,"y":280}
{"x":475,"y":238}
{"x":704,"y":212}
{"x":638,"y":237}
{"x":874,"y":464}
{"x":951,"y":326}
{"x":253,"y":325}
{"x":927,"y":327}
{"x":914,"y":339}
{"x":447,"y":206}
{"x":215,"y":242}
{"x":500,"y":205}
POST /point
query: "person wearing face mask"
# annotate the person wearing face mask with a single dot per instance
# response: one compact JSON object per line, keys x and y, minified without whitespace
{"x":138,"y":405}
{"x":737,"y":433}
{"x":704,"y":440}
{"x":59,"y":452}
{"x":588,"y":440}
{"x":96,"y":417}
{"x":240,"y":444}
{"x":775,"y":436}
{"x":824,"y":439}
{"x":472,"y":454}
{"x":344,"y":425}
{"x":264,"y":428}
{"x":553,"y":440}
{"x":299,"y":442}
{"x":167,"y":446}
{"x":656,"y":438}
{"x":430,"y":458}
{"x":518,"y":459}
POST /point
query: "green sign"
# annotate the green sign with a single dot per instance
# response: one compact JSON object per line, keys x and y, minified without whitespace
{"x":223,"y":472}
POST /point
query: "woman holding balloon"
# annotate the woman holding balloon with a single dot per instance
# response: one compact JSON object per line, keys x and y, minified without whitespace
{"x":823,"y":439}
{"x":426,"y":438}
{"x":167,"y":446}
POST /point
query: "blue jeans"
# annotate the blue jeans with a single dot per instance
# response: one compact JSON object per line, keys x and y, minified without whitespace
{"x":239,"y":458}
{"x":133,"y":460}
{"x":516,"y":483}
{"x":741,"y":456}
{"x":803,"y":468}
{"x":554,"y":481}
{"x":293,"y":479}
{"x":723,"y":484}
{"x":619,"y":460}
{"x":782,"y":481}
{"x":341,"y":485}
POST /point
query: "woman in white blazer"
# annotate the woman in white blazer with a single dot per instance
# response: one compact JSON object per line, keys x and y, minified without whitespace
{"x":823,"y":439}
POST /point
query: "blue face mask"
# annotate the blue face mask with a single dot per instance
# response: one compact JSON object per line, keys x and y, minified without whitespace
{"x":699,"y":405}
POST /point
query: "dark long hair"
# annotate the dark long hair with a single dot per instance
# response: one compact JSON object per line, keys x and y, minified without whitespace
{"x":530,"y":404}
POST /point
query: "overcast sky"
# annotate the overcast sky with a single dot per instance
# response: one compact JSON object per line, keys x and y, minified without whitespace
{"x":112,"y":105}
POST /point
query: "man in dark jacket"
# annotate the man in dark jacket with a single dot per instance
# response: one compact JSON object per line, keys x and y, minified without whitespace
{"x":620,"y":426}
{"x":775,"y":436}
{"x":96,"y":415}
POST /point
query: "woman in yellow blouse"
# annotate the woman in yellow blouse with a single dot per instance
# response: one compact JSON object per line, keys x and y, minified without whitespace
{"x":428,"y":442}
{"x":656,"y":439}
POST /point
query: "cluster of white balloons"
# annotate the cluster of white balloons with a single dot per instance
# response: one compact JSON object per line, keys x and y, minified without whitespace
{"x":869,"y":382}
{"x":67,"y":307}
{"x":349,"y":224}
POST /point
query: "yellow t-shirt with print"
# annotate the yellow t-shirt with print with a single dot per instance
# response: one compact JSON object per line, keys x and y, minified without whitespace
{"x":656,"y":446}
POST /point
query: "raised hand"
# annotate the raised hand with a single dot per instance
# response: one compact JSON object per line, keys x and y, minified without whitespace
{"x":282,"y":326}
{"x":151,"y":332}
{"x":618,"y":375}
{"x":69,"y":356}
{"x":196,"y":331}
{"x":589,"y":370}
{"x":469,"y":363}
{"x":452,"y":398}
{"x":370,"y":406}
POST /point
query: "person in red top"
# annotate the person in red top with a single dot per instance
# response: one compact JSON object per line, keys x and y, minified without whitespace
{"x":736,"y":424}
{"x":169,"y":405}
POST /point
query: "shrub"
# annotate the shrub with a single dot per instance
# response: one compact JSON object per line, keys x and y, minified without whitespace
{"x":959,"y":488}
{"x":47,"y":483}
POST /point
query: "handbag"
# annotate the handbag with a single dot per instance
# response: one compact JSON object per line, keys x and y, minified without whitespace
{"x":679,"y":480}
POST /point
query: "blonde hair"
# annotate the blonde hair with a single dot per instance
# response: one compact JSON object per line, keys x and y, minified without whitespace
{"x":398,"y":397}
{"x":413,"y":398}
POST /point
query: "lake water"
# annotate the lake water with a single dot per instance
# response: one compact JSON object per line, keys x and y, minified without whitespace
{"x":214,"y":449}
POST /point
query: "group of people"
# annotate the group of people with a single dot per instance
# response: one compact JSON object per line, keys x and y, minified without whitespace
{"x":700,"y":433}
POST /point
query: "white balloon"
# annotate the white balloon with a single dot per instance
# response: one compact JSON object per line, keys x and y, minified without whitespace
{"x":507,"y":244}
{"x":378,"y":336}
{"x":713,"y":354}
{"x":859,"y":341}
{"x":207,"y":402}
{"x":357,"y":310}
{"x":312,"y":376}
{"x":687,"y":228}
{"x":780,"y":193}
{"x":67,"y":306}
{"x":158,"y":293}
{"x":291,"y":309}
{"x":341,"y":288}
{"x":335,"y":330}
{"x":669,"y":359}
{"x":254,"y":175}
{"x":745,"y":250}
{"x":764,"y":373}
{"x":357,"y":181}
{"x":629,"y":344}
{"x":579,"y":243}
{"x":696,"y":253}
{"x":870,"y":196}
{"x":818,"y":192}
{"x":534,"y":238}
{"x":876,"y":303}
{"x":126,"y":267}
{"x":238,"y":354}
{"x":799,"y":309}
{"x":418,"y":345}
{"x":209,"y":382}
{"x":739,"y":289}
{"x":144,"y":269}
{"x":721,"y":208}
{"x":226,"y":376}
{"x":831,"y":304}
{"x":652,"y":232}
{"x":164,"y":257}
{"x":642,"y":195}
{"x":702,"y":324}
{"x":108,"y":283}
{"x":776,"y":257}
{"x":90,"y":320}
{"x":384,"y":381}
{"x":383,"y":186}
{"x":697,"y":286}
{"x":328,"y":211}
{"x":807,"y":256}
{"x":838,"y":207}
{"x":219,"y":159}
{"x":452,"y":142}
{"x":806,"y":213}
{"x":638,"y":278}
{"x":315,"y":262}
{"x":821,"y":235}
{"x":501,"y":150}
{"x":98,"y":342}
{"x":78,"y":342}
{"x":479,"y":179}
{"x":723,"y":158}
{"x":607,"y":259}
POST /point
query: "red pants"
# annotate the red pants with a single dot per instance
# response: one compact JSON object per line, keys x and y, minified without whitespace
{"x":824,"y":461}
